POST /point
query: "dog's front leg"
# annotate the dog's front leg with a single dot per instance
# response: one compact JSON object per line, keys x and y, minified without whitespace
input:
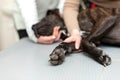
{"x":96,"y":53}
{"x":102,"y":27}
{"x":59,"y":53}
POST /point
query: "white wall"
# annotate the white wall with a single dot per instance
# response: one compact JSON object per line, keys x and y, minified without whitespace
{"x":8,"y":34}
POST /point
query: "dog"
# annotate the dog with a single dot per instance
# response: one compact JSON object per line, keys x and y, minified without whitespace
{"x":95,"y":24}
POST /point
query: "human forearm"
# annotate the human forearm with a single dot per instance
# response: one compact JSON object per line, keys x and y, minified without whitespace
{"x":71,"y":9}
{"x":70,"y":15}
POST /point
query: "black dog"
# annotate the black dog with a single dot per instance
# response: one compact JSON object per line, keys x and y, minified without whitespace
{"x":95,"y":25}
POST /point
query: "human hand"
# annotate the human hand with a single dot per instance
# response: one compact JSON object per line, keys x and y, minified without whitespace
{"x":51,"y":39}
{"x":75,"y":37}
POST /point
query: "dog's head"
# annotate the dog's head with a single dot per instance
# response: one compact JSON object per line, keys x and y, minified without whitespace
{"x":46,"y":25}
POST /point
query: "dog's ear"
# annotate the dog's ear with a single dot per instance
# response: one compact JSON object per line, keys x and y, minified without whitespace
{"x":54,"y":11}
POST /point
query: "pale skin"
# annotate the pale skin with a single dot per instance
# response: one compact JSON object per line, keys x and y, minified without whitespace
{"x":50,"y":39}
{"x":70,"y":13}
{"x":75,"y":37}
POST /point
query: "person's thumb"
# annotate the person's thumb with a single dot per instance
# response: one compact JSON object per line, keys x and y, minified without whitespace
{"x":68,"y":40}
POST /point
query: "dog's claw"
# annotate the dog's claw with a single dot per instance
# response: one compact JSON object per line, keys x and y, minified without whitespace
{"x":57,"y":56}
{"x":104,"y":59}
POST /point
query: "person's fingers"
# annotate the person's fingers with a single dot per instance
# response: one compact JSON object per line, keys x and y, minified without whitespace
{"x":47,"y":42}
{"x":46,"y":39}
{"x":77,"y":43}
{"x":56,"y":30}
{"x":58,"y":36}
{"x":68,"y":40}
{"x":50,"y":38}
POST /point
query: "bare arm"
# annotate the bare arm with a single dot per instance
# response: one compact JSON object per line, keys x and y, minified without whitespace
{"x":70,"y":14}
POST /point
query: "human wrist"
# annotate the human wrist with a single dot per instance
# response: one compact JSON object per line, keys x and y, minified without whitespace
{"x":75,"y":32}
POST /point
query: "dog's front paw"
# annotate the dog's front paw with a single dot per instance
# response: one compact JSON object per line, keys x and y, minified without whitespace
{"x":104,"y":59}
{"x":57,"y":56}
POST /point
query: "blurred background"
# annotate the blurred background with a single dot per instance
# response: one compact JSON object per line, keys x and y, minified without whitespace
{"x":8,"y":33}
{"x":9,"y":12}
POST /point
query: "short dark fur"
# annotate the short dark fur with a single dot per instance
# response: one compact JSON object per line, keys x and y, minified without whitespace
{"x":96,"y":22}
{"x":46,"y":25}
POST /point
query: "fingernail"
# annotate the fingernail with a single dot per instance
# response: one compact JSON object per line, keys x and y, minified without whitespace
{"x":77,"y":47}
{"x":53,"y":37}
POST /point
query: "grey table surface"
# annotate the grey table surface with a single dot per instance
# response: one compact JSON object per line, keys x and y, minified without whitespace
{"x":29,"y":61}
